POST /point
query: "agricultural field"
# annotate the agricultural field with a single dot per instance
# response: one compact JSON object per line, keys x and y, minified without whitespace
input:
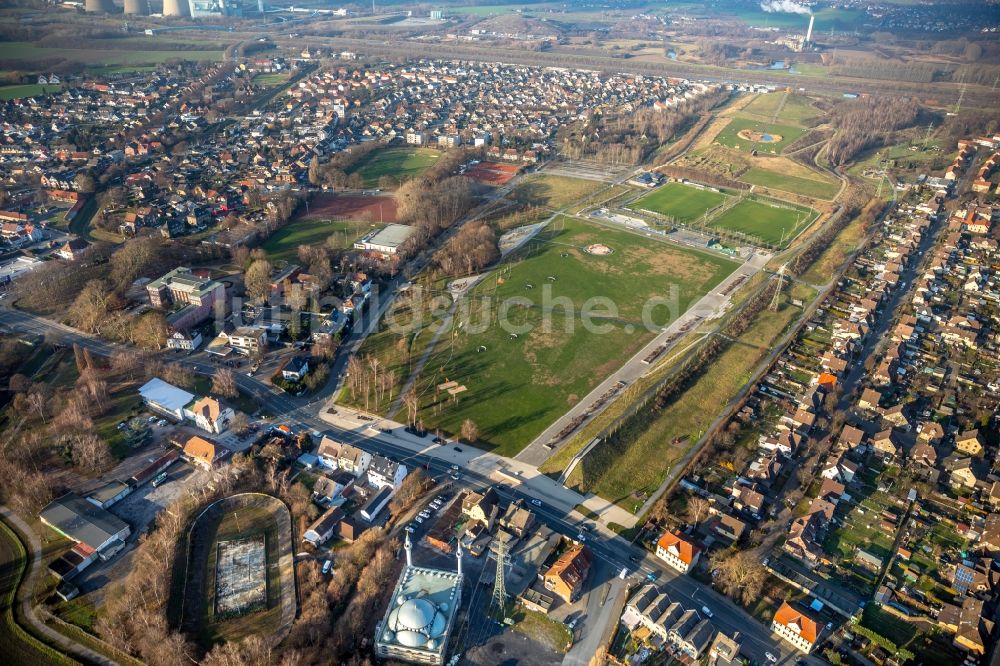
{"x":816,"y":189}
{"x":283,"y":244}
{"x":771,"y":224}
{"x":105,"y":57}
{"x":399,"y":163}
{"x":16,"y":646}
{"x":553,"y":191}
{"x":519,"y":378}
{"x":773,"y":138}
{"x":679,"y":202}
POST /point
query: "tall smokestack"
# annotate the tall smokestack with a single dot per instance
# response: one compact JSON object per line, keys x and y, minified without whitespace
{"x":176,"y":8}
{"x":137,"y":7}
{"x":809,"y":32}
{"x":260,"y":7}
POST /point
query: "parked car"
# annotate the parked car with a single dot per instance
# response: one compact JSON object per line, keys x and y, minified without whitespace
{"x":418,"y":519}
{"x":771,"y":658}
{"x":457,"y":448}
{"x":327,"y":566}
{"x":707,"y":611}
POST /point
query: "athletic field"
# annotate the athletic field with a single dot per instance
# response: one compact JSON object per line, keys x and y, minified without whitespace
{"x":682,"y":203}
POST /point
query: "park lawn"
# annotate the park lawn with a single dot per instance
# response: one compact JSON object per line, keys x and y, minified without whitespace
{"x":283,"y":244}
{"x":817,"y":189}
{"x":629,"y":472}
{"x":103,"y":57}
{"x":796,"y":109}
{"x":770,"y":224}
{"x":554,"y":191}
{"x":835,"y":254}
{"x":517,"y":386}
{"x":729,"y":136}
{"x":680,"y":202}
{"x":28,"y":90}
{"x":401,"y":163}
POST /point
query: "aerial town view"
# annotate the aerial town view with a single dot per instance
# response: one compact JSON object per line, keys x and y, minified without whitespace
{"x":500,"y":333}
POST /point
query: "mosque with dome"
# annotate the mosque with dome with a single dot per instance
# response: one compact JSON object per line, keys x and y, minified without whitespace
{"x":421,"y":615}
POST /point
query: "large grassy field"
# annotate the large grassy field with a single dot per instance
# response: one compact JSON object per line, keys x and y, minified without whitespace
{"x":817,"y":189}
{"x":28,"y":90}
{"x":679,"y":202}
{"x":771,"y":224}
{"x":729,"y":136}
{"x":629,"y":472}
{"x":283,"y":244}
{"x":518,"y":386}
{"x":796,"y":108}
{"x":400,"y":163}
{"x":553,"y":191}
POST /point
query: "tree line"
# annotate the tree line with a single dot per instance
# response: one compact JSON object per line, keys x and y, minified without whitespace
{"x":867,"y":122}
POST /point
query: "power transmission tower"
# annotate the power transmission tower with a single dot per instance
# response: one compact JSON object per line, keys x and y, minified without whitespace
{"x":500,"y":586}
{"x":961,"y":96}
{"x":927,"y":137}
{"x":777,"y":291}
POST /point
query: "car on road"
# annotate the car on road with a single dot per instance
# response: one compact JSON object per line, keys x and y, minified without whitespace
{"x":456,"y":477}
{"x":455,"y":467}
{"x":536,"y":502}
{"x":437,"y":440}
{"x":635,"y":558}
{"x":652,"y":575}
{"x":771,"y":658}
{"x":707,"y":611}
{"x":409,"y":528}
{"x":581,"y":537}
{"x":457,"y":448}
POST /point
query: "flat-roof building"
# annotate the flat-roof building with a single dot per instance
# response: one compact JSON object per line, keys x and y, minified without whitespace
{"x":165,"y":398}
{"x":386,"y":241}
{"x":86,"y":523}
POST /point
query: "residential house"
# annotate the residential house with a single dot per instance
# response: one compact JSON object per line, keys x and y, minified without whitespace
{"x":923,"y":454}
{"x":974,"y":629}
{"x":203,"y":452}
{"x":296,"y":369}
{"x":884,"y":442}
{"x":797,"y":627}
{"x":247,"y":340}
{"x":386,"y":473}
{"x":482,"y":508}
{"x":567,"y":576}
{"x":517,"y":520}
{"x":730,"y":527}
{"x":338,"y":455}
{"x":72,"y":249}
{"x":960,"y":471}
{"x":869,"y":399}
{"x":677,"y":551}
{"x":748,"y":498}
{"x":851,"y":437}
{"x":210,"y":415}
{"x":184,"y":340}
{"x":324,"y":527}
{"x":725,"y":650}
{"x":803,"y":538}
{"x":329,"y":487}
{"x":969,"y":443}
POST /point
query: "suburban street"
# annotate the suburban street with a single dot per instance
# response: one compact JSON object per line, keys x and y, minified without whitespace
{"x":479,"y":470}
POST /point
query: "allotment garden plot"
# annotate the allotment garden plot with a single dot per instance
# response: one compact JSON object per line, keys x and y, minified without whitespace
{"x":521,"y":376}
{"x":679,"y":202}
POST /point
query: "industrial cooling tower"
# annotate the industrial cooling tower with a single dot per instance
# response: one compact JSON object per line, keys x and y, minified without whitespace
{"x":137,"y":7}
{"x":176,"y":8}
{"x":106,"y":6}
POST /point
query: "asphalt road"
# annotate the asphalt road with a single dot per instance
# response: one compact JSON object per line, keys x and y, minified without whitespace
{"x":608,"y":547}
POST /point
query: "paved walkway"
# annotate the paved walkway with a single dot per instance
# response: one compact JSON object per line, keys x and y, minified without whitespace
{"x":66,"y":644}
{"x":710,"y":305}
